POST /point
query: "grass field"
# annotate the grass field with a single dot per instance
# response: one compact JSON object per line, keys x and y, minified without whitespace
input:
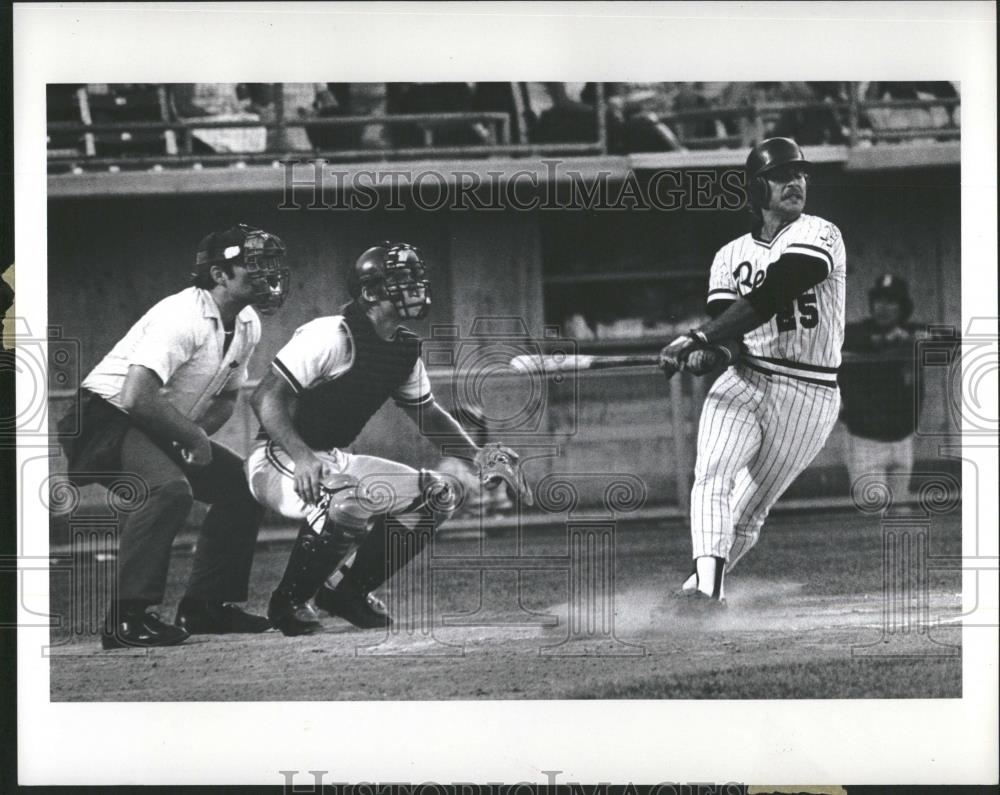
{"x":806,"y":620}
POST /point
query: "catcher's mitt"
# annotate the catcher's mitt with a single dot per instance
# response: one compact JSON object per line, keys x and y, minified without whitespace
{"x":498,"y":464}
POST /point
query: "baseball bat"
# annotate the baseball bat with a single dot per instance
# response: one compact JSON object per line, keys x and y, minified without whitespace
{"x":571,"y":363}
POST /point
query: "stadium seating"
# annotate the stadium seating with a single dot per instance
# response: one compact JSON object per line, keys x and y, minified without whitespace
{"x":129,"y":108}
{"x":143,"y":125}
{"x":62,"y":106}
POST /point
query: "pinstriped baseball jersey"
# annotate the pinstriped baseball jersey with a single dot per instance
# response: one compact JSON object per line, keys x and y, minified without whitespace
{"x":805,"y":336}
{"x":765,"y":419}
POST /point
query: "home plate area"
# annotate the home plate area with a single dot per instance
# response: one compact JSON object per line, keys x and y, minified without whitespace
{"x":810,"y":614}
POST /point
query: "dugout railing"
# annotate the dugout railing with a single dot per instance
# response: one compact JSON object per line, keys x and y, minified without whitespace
{"x":74,"y":143}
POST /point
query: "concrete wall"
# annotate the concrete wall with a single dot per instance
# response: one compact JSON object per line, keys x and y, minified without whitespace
{"x":905,"y":221}
{"x":111,"y":258}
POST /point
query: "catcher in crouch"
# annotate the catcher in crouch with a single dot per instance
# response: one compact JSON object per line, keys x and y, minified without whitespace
{"x":320,"y":391}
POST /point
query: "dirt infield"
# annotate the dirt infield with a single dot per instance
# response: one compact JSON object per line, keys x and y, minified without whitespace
{"x":807,"y":619}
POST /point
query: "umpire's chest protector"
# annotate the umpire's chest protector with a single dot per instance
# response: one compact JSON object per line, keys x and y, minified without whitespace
{"x":332,"y":414}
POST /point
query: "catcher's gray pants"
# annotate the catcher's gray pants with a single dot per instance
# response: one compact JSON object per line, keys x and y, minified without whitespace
{"x":370,"y":485}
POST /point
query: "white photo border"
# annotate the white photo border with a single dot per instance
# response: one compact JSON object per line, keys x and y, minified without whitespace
{"x":864,"y":741}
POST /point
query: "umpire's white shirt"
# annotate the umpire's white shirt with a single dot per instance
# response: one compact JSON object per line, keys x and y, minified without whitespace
{"x":181,"y":339}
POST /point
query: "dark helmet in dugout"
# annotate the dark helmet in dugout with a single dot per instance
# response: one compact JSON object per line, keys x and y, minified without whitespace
{"x":889,"y":287}
{"x":764,"y":158}
{"x":260,"y":252}
{"x":393,"y":272}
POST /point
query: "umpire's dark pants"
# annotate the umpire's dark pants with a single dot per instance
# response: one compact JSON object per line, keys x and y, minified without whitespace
{"x":228,"y":535}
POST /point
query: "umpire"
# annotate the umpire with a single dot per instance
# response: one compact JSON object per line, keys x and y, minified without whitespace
{"x":149,"y":408}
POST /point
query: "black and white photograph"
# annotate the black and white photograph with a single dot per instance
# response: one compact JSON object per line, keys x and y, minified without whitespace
{"x":628,"y":399}
{"x":696,"y":368}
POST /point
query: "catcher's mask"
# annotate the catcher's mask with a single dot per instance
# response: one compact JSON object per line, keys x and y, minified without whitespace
{"x":765,"y":158}
{"x":260,"y":252}
{"x":394,"y":272}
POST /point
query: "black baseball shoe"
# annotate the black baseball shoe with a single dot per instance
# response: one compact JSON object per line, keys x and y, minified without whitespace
{"x":137,"y":629}
{"x":365,"y":611}
{"x":291,"y":617}
{"x":217,"y":618}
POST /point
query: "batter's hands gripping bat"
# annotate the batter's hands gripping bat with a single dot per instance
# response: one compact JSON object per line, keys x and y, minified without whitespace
{"x":693,"y":354}
{"x":705,"y":360}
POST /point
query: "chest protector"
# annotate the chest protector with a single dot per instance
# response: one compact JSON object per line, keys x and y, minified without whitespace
{"x":332,"y":414}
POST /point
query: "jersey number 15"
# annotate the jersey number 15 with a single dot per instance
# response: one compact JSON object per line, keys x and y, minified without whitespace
{"x":808,"y":316}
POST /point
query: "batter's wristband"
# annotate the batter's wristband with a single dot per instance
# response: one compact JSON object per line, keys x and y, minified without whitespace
{"x":724,"y":350}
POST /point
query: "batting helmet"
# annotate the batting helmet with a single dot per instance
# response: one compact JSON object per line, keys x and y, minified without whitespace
{"x":395,"y":272}
{"x":260,"y":252}
{"x":889,"y":287}
{"x":767,"y":156}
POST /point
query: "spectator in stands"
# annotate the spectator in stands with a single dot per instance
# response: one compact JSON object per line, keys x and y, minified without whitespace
{"x":497,"y":97}
{"x":217,"y":102}
{"x":262,"y":99}
{"x":255,"y":95}
{"x":567,"y":119}
{"x":879,"y":390}
{"x":198,"y":100}
{"x":635,"y":112}
{"x":814,"y":126}
{"x":765,"y":119}
{"x":432,"y":98}
{"x":333,"y":100}
{"x":301,"y":102}
{"x":941,"y":115}
{"x":542,"y":112}
{"x":913,"y":118}
{"x":691,"y":97}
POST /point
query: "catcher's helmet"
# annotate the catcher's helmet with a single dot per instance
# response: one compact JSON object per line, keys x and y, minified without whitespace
{"x":767,"y":156}
{"x":889,"y":287}
{"x":260,"y":252}
{"x":395,"y":272}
